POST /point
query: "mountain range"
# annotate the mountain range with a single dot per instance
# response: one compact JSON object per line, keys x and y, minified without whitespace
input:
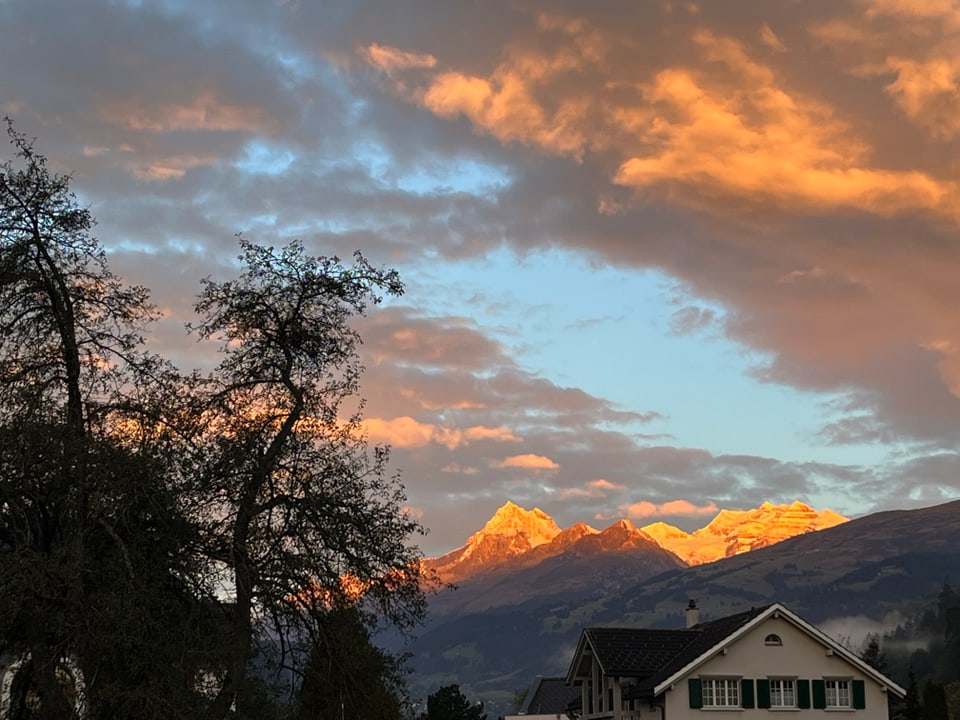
{"x":525,"y":588}
{"x":517,"y":538}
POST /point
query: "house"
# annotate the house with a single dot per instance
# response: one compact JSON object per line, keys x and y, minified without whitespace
{"x":547,"y":699}
{"x":761,"y":660}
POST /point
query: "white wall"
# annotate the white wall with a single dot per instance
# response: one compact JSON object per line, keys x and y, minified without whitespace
{"x":800,"y":656}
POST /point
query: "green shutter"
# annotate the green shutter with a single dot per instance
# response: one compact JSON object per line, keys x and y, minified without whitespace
{"x":696,"y":692}
{"x":859,"y":695}
{"x":819,"y":694}
{"x":746,"y":693}
{"x":803,"y":694}
{"x":763,"y":693}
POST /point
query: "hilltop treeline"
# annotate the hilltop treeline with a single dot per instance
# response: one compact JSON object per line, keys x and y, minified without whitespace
{"x":922,"y":654}
{"x":928,"y":642}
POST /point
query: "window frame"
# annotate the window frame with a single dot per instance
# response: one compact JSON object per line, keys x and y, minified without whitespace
{"x":836,"y":682}
{"x":782,"y":691}
{"x":732,"y":691}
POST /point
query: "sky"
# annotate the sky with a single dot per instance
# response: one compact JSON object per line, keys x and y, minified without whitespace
{"x":659,"y":257}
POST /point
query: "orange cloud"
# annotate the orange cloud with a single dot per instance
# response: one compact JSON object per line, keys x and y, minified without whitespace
{"x":725,"y":130}
{"x":598,"y":487}
{"x":769,"y":38}
{"x":458,"y":469}
{"x":751,"y":139}
{"x":938,"y":9}
{"x":506,"y":104}
{"x":505,"y":107}
{"x":390,"y":59}
{"x":916,"y":40}
{"x":949,"y":364}
{"x":406,"y":432}
{"x":206,"y":111}
{"x":928,"y":92}
{"x":169,"y":168}
{"x":528,"y":462}
{"x":645,"y":509}
{"x":481,"y":432}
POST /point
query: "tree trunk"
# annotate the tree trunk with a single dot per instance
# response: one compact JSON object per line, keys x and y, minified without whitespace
{"x":53,"y":700}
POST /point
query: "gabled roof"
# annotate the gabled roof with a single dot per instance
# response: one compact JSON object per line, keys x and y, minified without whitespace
{"x":549,"y":696}
{"x":709,"y":638}
{"x":626,"y":652}
{"x":689,"y":660}
{"x":646,"y":652}
{"x":660,"y":658}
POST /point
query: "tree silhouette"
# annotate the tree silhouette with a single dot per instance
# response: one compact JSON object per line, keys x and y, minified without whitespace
{"x":449,"y":703}
{"x":94,"y":552}
{"x":132,"y":496}
{"x":297,"y":509}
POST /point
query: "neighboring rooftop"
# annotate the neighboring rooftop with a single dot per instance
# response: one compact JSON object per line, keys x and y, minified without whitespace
{"x":549,"y":696}
{"x":655,"y":654}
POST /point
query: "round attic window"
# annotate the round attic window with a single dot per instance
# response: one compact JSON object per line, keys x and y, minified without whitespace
{"x":772,"y":639}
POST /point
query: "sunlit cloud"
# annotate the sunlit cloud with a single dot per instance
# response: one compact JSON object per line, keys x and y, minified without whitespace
{"x":597,"y":488}
{"x":928,"y":91}
{"x":939,"y":9}
{"x":769,"y":38}
{"x":915,"y":41}
{"x":391,"y":59}
{"x":206,"y":111}
{"x":757,"y":141}
{"x":458,"y":469}
{"x":527,"y":462}
{"x":781,"y":179}
{"x":505,"y":107}
{"x":505,"y":104}
{"x":685,"y":508}
{"x":731,"y":128}
{"x":405,"y":432}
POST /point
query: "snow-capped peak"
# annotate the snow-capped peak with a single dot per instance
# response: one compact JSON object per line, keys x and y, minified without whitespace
{"x":511,"y":520}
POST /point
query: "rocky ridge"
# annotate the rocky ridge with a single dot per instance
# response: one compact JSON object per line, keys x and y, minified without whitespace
{"x":516,"y":537}
{"x":733,"y":532}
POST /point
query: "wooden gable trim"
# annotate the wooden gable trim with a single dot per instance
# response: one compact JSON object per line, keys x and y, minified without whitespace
{"x":779,"y":611}
{"x":583,"y":647}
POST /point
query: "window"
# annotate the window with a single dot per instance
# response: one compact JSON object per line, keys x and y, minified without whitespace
{"x":772,"y":639}
{"x":783,"y":693}
{"x":721,"y":693}
{"x":838,"y":693}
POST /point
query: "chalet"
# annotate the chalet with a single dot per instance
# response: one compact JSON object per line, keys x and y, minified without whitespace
{"x":761,"y":660}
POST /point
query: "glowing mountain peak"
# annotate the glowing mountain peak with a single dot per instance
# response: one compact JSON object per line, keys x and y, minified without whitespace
{"x":512,"y":520}
{"x":733,"y":532}
{"x":661,"y":531}
{"x":514,"y":531}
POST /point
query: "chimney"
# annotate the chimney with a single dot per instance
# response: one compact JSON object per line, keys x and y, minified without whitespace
{"x":693,"y":613}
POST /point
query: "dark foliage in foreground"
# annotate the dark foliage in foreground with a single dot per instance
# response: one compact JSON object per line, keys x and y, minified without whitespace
{"x":170,"y":545}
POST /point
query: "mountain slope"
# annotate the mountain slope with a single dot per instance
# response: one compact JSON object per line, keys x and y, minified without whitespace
{"x":864,"y":567}
{"x":579,"y":562}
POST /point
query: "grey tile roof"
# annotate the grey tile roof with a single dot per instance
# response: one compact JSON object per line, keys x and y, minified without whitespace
{"x":636,"y":652}
{"x":653,"y":655}
{"x":706,"y":635}
{"x":549,"y":696}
